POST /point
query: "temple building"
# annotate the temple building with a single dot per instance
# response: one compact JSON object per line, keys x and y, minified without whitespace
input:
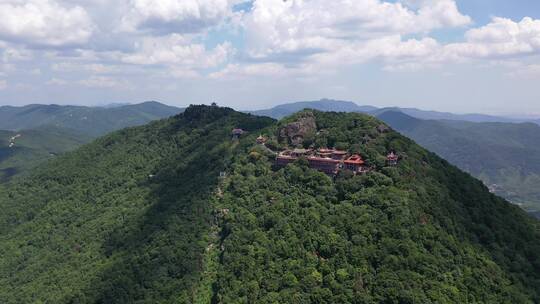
{"x":355,"y":163}
{"x":323,"y":152}
{"x":283,"y":160}
{"x":327,"y":165}
{"x":329,"y":161}
{"x":288,"y":156}
{"x":392,"y":159}
{"x":301,"y":152}
{"x":339,"y":155}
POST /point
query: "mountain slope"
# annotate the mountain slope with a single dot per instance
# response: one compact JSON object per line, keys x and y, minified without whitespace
{"x":123,"y":219}
{"x":142,"y":216}
{"x":21,"y":151}
{"x":423,"y":232}
{"x":504,"y":155}
{"x":91,"y":121}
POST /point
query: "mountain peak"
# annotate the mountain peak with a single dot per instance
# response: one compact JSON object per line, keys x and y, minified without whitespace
{"x":283,"y":110}
{"x":205,"y":113}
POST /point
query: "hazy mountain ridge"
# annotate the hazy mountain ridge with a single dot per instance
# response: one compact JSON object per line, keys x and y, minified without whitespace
{"x":144,"y":215}
{"x":505,"y":156}
{"x":435,"y":115}
{"x":48,"y":130}
{"x":286,"y":109}
{"x":92,"y":121}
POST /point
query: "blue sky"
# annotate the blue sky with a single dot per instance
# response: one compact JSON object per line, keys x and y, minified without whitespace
{"x":483,"y":10}
{"x":449,"y":55}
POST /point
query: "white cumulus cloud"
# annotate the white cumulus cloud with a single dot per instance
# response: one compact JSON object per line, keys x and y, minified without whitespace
{"x":175,"y":16}
{"x":501,"y":37}
{"x":94,"y":40}
{"x":176,"y":50}
{"x":309,"y":26}
{"x":44,"y":23}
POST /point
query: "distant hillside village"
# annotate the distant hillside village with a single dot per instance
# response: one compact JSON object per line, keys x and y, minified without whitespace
{"x":329,"y":161}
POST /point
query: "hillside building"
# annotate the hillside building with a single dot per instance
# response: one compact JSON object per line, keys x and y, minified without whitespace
{"x":392,"y":159}
{"x":329,"y":161}
{"x":327,"y":165}
{"x":355,"y":163}
{"x":339,"y":155}
{"x":283,"y":160}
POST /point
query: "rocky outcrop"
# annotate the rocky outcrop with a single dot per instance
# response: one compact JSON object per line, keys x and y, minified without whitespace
{"x":383,"y":129}
{"x":297,"y":131}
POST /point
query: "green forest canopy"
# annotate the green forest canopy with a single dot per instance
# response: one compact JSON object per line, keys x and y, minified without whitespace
{"x":142,"y":216}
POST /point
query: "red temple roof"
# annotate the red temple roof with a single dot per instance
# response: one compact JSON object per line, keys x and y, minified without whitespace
{"x":355,"y":160}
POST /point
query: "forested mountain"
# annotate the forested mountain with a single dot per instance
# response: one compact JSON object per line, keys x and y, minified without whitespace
{"x":91,"y":121}
{"x":43,"y":131}
{"x":505,"y":156}
{"x":177,"y":212}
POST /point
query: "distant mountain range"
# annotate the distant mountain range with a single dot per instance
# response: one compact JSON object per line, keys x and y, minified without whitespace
{"x":91,"y":121}
{"x":506,"y":156}
{"x":422,"y":114}
{"x":32,"y":134}
{"x":283,"y":110}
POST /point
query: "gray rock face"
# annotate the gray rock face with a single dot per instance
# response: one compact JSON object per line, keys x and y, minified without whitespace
{"x":383,"y":129}
{"x":297,"y":131}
